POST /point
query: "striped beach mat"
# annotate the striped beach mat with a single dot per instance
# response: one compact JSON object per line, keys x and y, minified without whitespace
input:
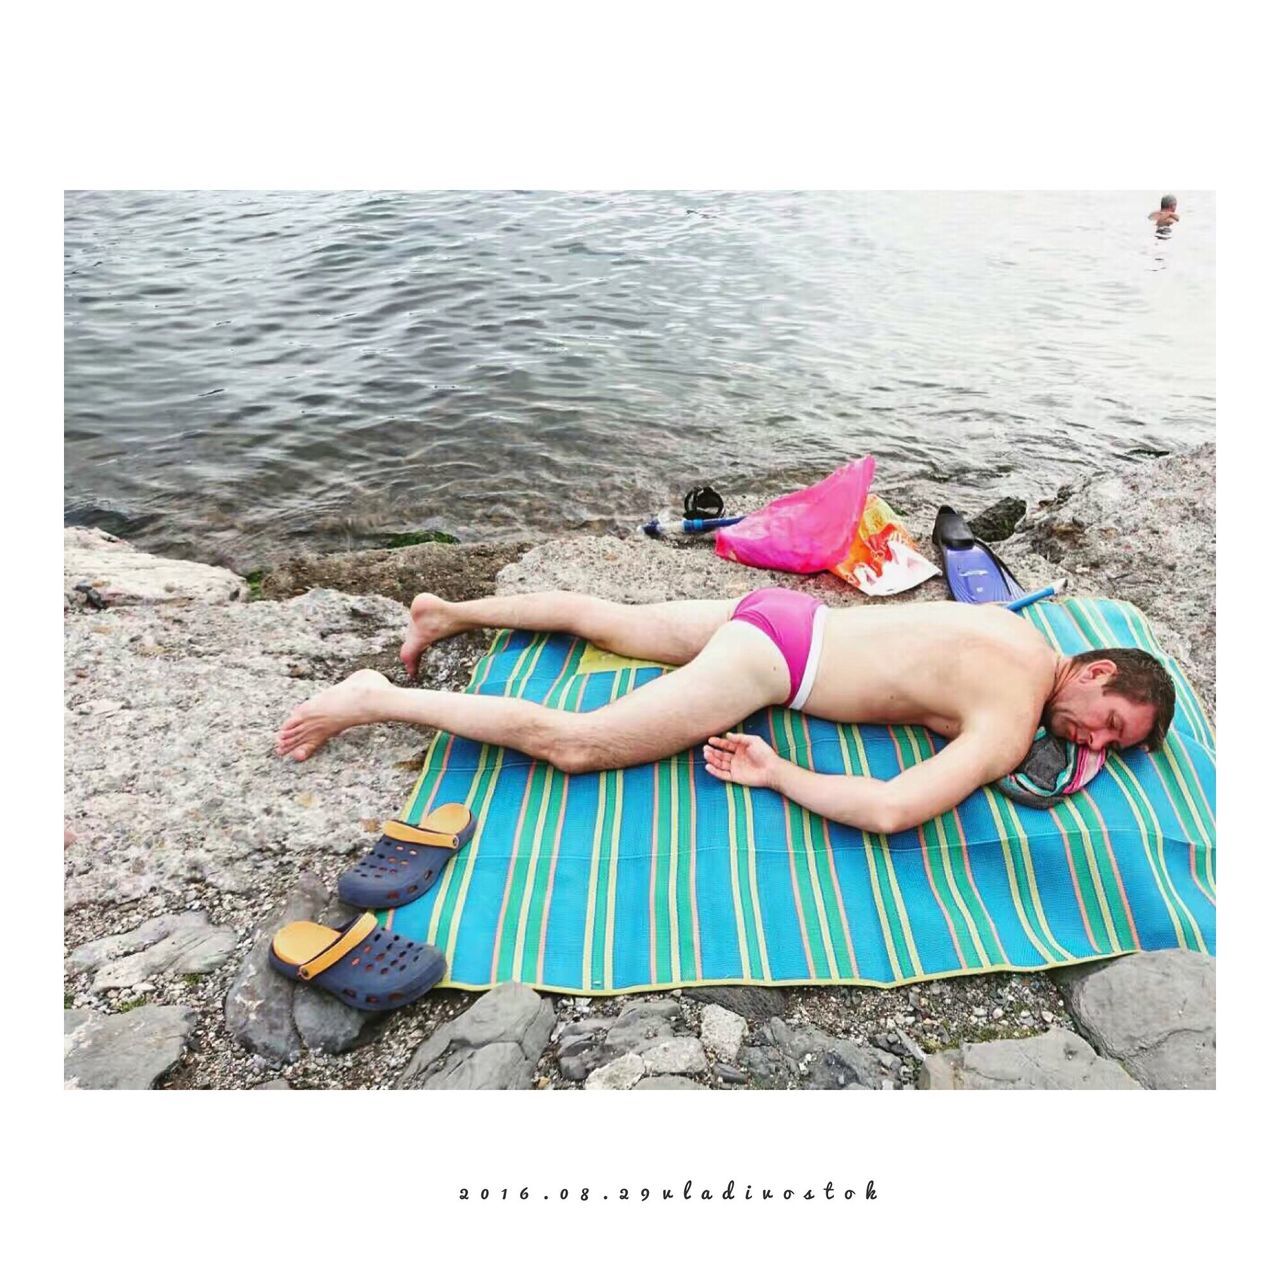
{"x":659,"y":876}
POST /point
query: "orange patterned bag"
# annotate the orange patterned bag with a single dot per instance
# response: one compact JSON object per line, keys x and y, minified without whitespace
{"x":883,"y":559}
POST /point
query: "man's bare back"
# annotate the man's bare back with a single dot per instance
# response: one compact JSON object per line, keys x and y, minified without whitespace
{"x":943,"y":665}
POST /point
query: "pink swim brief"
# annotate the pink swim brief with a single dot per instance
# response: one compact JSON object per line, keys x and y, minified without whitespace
{"x":794,"y":622}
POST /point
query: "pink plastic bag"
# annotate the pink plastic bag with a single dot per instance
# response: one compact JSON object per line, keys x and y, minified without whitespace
{"x":803,"y":532}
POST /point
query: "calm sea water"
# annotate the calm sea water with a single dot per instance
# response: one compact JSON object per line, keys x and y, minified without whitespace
{"x":248,"y":374}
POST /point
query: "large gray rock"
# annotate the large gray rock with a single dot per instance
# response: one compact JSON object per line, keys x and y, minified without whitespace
{"x":819,"y":1061}
{"x":622,"y":1073}
{"x":326,"y":1024}
{"x":722,"y":1032}
{"x":681,"y":1056}
{"x":767,"y":1067}
{"x":667,"y":1082}
{"x":495,"y":1044}
{"x":92,"y":955}
{"x":123,"y":1050}
{"x":178,"y":944}
{"x":584,"y":1030}
{"x":640,"y":1026}
{"x":501,"y":1065}
{"x":112,"y":573}
{"x":580,"y":1047}
{"x":637,"y":1010}
{"x":998,"y":521}
{"x":259,"y":1006}
{"x":1154,"y":1012}
{"x":1056,"y":1060}
{"x":578,"y":1061}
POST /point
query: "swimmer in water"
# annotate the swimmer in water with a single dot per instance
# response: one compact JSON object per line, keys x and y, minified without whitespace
{"x":1167,"y":214}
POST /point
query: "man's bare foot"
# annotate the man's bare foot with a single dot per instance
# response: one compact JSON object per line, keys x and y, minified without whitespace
{"x":429,"y":620}
{"x":312,"y":723}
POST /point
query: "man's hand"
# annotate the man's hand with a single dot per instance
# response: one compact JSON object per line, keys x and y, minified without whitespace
{"x":742,"y":758}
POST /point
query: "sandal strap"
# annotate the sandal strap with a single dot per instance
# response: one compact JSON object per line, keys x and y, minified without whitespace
{"x":360,"y":929}
{"x":419,"y":835}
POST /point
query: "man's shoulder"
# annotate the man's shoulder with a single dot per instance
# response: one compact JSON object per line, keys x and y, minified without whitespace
{"x":1000,"y":737}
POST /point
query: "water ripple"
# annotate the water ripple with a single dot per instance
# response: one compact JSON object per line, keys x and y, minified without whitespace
{"x":257,"y":371}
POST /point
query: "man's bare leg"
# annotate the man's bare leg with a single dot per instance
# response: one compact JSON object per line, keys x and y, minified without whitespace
{"x":672,"y":633}
{"x":739,"y":671}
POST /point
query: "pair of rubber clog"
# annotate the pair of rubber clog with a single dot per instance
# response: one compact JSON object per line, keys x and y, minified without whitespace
{"x":363,"y":964}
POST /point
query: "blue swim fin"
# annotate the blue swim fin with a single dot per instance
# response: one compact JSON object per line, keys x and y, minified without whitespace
{"x":974,"y":573}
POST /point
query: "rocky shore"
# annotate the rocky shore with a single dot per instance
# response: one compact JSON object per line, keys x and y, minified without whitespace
{"x":188,"y":842}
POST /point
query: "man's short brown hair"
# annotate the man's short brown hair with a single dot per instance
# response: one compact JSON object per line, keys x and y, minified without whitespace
{"x":1142,"y":678}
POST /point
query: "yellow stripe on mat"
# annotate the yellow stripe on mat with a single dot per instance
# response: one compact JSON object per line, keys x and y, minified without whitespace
{"x":594,"y":659}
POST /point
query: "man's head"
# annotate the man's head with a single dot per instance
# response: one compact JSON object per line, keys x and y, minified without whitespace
{"x":1169,"y":202}
{"x":1112,"y":697}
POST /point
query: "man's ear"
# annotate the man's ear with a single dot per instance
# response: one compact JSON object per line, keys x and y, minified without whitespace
{"x":1102,"y":669}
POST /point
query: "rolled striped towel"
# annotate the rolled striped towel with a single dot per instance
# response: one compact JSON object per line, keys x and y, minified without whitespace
{"x":1054,"y":769}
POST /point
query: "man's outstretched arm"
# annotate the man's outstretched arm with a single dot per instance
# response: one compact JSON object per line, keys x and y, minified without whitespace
{"x":919,"y":793}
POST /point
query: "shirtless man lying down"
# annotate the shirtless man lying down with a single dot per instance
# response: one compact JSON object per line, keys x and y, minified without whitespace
{"x":979,"y":675}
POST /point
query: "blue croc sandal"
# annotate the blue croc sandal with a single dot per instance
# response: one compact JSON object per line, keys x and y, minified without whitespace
{"x":407,"y":860}
{"x":362,"y":964}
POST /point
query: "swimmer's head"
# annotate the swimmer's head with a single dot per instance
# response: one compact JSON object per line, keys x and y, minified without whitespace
{"x":1168,"y":202}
